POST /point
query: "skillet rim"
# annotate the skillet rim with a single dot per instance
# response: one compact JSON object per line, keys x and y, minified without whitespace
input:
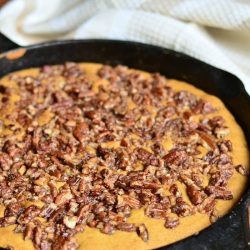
{"x":127,"y":42}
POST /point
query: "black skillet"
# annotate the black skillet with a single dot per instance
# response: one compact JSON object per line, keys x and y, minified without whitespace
{"x":228,"y":232}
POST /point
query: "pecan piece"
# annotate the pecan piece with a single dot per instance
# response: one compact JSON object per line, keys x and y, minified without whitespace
{"x":220,"y":178}
{"x":68,"y":243}
{"x":142,"y":232}
{"x":47,"y":210}
{"x":110,"y":181}
{"x":171,"y":222}
{"x":7,"y":221}
{"x":221,"y":132}
{"x":124,"y":210}
{"x":57,"y":215}
{"x":220,"y":192}
{"x":175,"y":157}
{"x":225,"y":146}
{"x":5,"y":161}
{"x":63,"y":197}
{"x":214,"y":216}
{"x":195,"y":195}
{"x":81,"y":131}
{"x":207,"y":205}
{"x":181,"y":208}
{"x":175,"y":191}
{"x":146,"y":157}
{"x":13,"y":209}
{"x":155,"y":210}
{"x":144,"y":185}
{"x":83,"y":213}
{"x":128,"y":200}
{"x":108,"y":228}
{"x":29,"y":214}
{"x":209,"y":142}
{"x":242,"y":170}
{"x":127,"y":227}
{"x":124,"y":142}
{"x":217,"y":121}
{"x":70,"y":222}
{"x":29,"y":232}
{"x":37,"y":235}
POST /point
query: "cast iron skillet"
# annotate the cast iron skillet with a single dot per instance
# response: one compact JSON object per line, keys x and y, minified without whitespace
{"x":228,"y":232}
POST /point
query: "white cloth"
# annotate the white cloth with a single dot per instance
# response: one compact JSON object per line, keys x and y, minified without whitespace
{"x":215,"y":31}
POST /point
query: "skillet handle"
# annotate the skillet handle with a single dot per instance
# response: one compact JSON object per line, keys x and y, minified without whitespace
{"x":6,"y":44}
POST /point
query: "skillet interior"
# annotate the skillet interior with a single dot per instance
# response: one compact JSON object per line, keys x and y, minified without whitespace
{"x":227,"y":232}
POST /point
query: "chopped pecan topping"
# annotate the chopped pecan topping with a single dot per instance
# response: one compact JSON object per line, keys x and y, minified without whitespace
{"x":94,"y":153}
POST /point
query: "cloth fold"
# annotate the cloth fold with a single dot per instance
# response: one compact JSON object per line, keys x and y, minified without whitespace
{"x":217,"y":32}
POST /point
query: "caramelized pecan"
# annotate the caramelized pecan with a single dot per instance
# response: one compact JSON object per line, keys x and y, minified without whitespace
{"x":128,"y":200}
{"x":171,"y":222}
{"x":108,"y":228}
{"x":181,"y":208}
{"x":81,"y":130}
{"x":142,"y":232}
{"x":220,"y":192}
{"x":127,"y":227}
{"x":63,"y":197}
{"x":195,"y":195}
{"x":242,"y":170}
{"x":156,"y":210}
{"x":146,"y":157}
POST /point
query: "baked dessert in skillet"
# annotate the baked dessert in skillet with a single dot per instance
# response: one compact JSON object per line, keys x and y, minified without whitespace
{"x":101,"y":157}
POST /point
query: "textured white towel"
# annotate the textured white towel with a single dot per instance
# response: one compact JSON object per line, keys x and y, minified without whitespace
{"x":215,"y":31}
